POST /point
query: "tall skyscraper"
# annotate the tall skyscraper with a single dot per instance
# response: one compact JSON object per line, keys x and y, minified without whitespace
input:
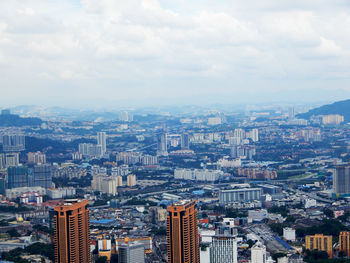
{"x":291,"y":113}
{"x":2,"y":161}
{"x":102,"y":141}
{"x":162,"y":144}
{"x":17,"y":176}
{"x":320,"y":242}
{"x":72,"y":238}
{"x":223,"y":249}
{"x":185,"y":141}
{"x":42,"y":176}
{"x":239,"y":133}
{"x":341,"y":180}
{"x":36,"y":157}
{"x":344,"y":242}
{"x":13,"y":143}
{"x":182,"y":233}
{"x":131,"y":180}
{"x":258,"y":254}
{"x":254,"y":135}
{"x":126,"y":116}
{"x":131,"y":252}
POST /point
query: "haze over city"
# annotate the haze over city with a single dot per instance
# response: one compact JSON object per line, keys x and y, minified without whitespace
{"x":146,"y":52}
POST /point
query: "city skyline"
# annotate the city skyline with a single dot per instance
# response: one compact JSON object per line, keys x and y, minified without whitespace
{"x":150,"y":51}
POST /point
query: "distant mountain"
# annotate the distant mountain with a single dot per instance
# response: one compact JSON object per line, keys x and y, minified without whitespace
{"x":339,"y":107}
{"x":7,"y":120}
{"x":58,"y":113}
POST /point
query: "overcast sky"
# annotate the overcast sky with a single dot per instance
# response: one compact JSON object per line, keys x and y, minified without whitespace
{"x":107,"y":52}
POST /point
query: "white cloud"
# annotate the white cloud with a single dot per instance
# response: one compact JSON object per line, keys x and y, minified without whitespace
{"x":239,"y":44}
{"x":328,"y":47}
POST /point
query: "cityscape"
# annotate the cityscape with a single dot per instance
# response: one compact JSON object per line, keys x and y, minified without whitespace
{"x":173,"y":131}
{"x":265,"y":185}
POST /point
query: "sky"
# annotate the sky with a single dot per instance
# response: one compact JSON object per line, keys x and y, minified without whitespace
{"x":103,"y":53}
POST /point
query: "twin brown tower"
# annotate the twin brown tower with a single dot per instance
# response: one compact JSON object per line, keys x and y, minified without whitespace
{"x":72,"y":240}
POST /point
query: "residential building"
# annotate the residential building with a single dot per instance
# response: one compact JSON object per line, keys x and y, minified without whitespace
{"x":102,"y":141}
{"x":126,"y":116}
{"x":105,"y":184}
{"x":319,"y":242}
{"x":341,"y":180}
{"x":145,"y":241}
{"x":289,"y":234}
{"x":258,"y":253}
{"x":11,"y":159}
{"x":149,"y":160}
{"x":91,"y":150}
{"x":131,"y":252}
{"x":13,"y":143}
{"x":131,"y":180}
{"x":72,"y":238}
{"x":119,"y":181}
{"x":239,"y":195}
{"x":59,"y":193}
{"x":14,"y":193}
{"x":41,"y":176}
{"x":2,"y":162}
{"x":223,"y":249}
{"x":182,"y":232}
{"x":198,"y":174}
{"x":344,"y":242}
{"x":17,"y":176}
{"x":104,"y":246}
{"x":332,"y":119}
{"x":185,"y":141}
{"x":36,"y":158}
{"x":162,"y":147}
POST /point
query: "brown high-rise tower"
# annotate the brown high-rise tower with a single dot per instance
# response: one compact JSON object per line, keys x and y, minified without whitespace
{"x":182,"y":233}
{"x":72,"y":238}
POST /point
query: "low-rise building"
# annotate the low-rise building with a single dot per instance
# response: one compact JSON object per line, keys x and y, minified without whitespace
{"x":289,"y":234}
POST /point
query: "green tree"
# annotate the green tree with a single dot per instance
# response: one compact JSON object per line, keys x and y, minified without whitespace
{"x":39,"y":248}
{"x":278,"y":255}
{"x":329,"y":213}
{"x":290,"y":219}
{"x":277,"y":228}
{"x":101,"y":259}
{"x":114,"y":258}
{"x":13,"y":233}
{"x":250,"y":243}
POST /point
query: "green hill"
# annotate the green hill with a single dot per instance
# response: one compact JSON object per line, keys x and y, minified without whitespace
{"x":339,"y":107}
{"x":7,"y":120}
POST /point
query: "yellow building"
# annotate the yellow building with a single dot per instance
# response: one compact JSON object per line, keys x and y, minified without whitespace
{"x":131,"y":180}
{"x":344,"y":242}
{"x":320,"y":242}
{"x":104,"y":247}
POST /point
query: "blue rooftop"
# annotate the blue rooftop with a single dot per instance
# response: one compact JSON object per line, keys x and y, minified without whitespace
{"x":283,"y":243}
{"x":102,"y":221}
